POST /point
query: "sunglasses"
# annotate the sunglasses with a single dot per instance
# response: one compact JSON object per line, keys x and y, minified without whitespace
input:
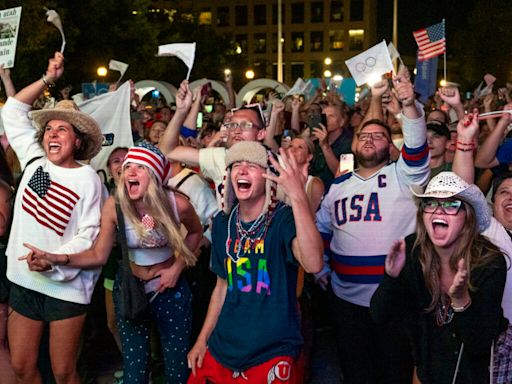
{"x":449,"y":207}
{"x":255,"y":107}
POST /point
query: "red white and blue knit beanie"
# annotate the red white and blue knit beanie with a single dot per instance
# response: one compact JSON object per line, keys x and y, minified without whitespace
{"x":147,"y":154}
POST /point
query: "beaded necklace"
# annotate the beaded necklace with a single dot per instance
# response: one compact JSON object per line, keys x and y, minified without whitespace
{"x":256,"y":232}
{"x":444,"y":311}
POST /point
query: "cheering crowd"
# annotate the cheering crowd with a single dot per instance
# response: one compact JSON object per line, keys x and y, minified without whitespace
{"x":214,"y":240}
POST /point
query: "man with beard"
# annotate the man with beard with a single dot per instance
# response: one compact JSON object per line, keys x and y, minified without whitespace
{"x":361,"y":216}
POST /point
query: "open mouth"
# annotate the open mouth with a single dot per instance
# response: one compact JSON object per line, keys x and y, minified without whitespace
{"x":439,"y":226}
{"x":54,"y":147}
{"x":243,"y":185}
{"x":133,"y":185}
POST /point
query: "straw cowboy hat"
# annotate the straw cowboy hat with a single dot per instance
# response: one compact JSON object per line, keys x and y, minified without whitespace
{"x":67,"y":110}
{"x":448,"y":184}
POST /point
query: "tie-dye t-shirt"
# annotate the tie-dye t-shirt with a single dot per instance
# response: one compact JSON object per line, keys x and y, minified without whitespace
{"x":259,"y":319}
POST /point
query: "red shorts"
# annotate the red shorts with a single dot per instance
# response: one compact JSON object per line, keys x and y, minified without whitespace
{"x":279,"y":370}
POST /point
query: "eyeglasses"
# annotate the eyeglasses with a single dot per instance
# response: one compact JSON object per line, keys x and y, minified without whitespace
{"x":376,"y":136}
{"x":449,"y":207}
{"x":244,"y":126}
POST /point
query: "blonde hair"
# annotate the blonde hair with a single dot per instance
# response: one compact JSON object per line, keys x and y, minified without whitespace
{"x":471,"y":246}
{"x":159,"y":207}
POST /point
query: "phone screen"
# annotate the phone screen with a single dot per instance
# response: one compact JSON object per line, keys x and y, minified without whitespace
{"x":199,"y":123}
{"x":346,"y":162}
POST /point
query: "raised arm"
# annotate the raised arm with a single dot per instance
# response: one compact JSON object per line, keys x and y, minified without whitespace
{"x":308,"y":245}
{"x":5,"y":75}
{"x":295,"y":121}
{"x":277,"y":108}
{"x":197,"y":102}
{"x":451,"y":96}
{"x":170,"y":138}
{"x":31,"y":92}
{"x":467,"y":132}
{"x":486,"y":155}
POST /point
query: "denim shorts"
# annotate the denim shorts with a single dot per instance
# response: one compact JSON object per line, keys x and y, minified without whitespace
{"x":40,"y":307}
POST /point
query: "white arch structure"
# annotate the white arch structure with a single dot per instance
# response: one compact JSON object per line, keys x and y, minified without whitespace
{"x":217,"y":86}
{"x":247,"y":92}
{"x":167,"y":90}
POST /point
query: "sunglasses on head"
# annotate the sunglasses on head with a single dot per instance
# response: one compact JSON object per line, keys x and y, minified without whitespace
{"x":255,"y":107}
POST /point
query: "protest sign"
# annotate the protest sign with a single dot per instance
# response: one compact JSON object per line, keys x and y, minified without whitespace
{"x":9,"y":28}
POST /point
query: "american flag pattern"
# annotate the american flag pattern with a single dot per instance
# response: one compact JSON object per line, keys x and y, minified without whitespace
{"x":431,"y":41}
{"x":49,"y":203}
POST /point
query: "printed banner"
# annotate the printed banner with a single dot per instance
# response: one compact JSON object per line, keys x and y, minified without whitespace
{"x":425,"y":82}
{"x":9,"y":28}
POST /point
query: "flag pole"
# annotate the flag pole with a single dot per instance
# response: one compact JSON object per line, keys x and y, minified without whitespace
{"x":445,"y":48}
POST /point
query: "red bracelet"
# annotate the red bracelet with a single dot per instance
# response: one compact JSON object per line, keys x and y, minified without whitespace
{"x":461,"y":143}
{"x":465,"y":149}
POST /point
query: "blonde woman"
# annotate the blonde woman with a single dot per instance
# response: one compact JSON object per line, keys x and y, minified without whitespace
{"x":158,"y":254}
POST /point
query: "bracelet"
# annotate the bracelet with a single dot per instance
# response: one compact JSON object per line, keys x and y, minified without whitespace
{"x":462,"y":143}
{"x":47,"y":82}
{"x":465,"y":149}
{"x":462,"y":308}
{"x":67,"y":260}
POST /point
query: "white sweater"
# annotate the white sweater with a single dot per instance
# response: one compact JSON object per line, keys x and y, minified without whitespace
{"x":56,"y":209}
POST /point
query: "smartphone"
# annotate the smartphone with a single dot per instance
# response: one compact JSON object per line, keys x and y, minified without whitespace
{"x":323,"y":119}
{"x":346,"y":162}
{"x":205,"y":90}
{"x":208,"y":108}
{"x":199,"y":122}
{"x":317,"y":119}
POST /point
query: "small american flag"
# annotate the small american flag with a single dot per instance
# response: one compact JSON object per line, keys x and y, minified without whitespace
{"x":50,"y":203}
{"x":431,"y":41}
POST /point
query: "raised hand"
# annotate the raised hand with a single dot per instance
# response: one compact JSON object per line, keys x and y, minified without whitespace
{"x":55,"y":67}
{"x":450,"y":95}
{"x":379,"y":88}
{"x":395,"y":259}
{"x":292,"y":177}
{"x":403,"y":87}
{"x":183,"y":97}
{"x":468,"y":128}
{"x":459,"y":288}
{"x":321,"y":134}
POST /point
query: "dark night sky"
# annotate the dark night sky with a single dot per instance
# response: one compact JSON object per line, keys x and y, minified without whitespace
{"x":414,"y":14}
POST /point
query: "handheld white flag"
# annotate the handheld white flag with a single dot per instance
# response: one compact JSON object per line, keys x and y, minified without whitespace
{"x":393,"y":52}
{"x":54,"y":18}
{"x":119,"y":66}
{"x":298,"y":88}
{"x":185,"y":51}
{"x":371,"y":64}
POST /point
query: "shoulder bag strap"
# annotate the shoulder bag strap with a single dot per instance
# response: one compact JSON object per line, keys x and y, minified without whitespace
{"x":121,"y":235}
{"x":180,"y":183}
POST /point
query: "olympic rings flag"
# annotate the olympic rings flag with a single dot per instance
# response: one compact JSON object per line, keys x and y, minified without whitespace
{"x":371,"y":64}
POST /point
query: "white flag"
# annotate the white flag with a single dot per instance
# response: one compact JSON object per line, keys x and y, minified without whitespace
{"x":112,"y":112}
{"x":298,"y":88}
{"x":54,"y":18}
{"x":119,"y":66}
{"x":185,"y":51}
{"x":371,"y":64}
{"x":393,"y":52}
